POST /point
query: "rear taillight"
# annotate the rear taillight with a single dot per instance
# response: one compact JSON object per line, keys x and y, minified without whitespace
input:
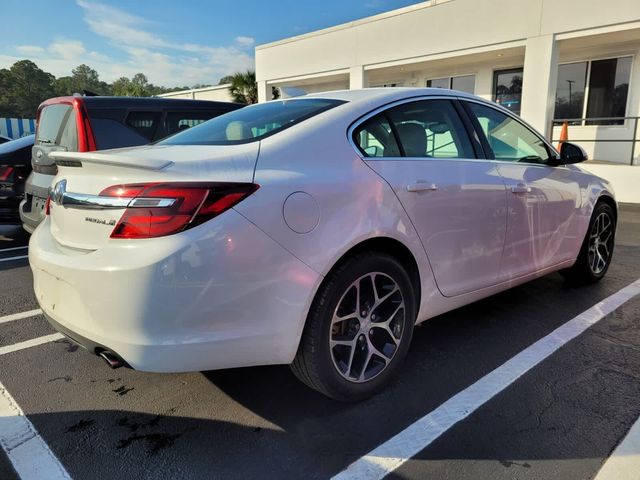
{"x":47,"y":206}
{"x":159,"y":209}
{"x":5,"y":173}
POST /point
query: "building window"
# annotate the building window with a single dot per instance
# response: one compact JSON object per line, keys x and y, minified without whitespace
{"x":507,"y":89}
{"x":593,"y":89}
{"x":388,"y":85}
{"x":572,"y":81}
{"x":463,"y":83}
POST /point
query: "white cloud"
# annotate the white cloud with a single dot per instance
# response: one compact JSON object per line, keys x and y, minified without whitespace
{"x":29,"y":49}
{"x":163,"y":62}
{"x":246,"y":42}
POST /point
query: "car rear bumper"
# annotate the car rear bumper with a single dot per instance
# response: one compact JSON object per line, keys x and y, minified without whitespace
{"x":31,"y":209}
{"x":220,"y":295}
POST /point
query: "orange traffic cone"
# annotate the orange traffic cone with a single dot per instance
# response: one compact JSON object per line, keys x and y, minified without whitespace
{"x":564,"y":134}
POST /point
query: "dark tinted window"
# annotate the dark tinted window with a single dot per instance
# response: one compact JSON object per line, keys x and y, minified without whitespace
{"x":57,"y":126}
{"x":430,"y":128}
{"x":252,"y":123}
{"x":145,"y":123}
{"x":178,"y":121}
{"x":507,"y":89}
{"x":572,"y":79}
{"x":608,"y":89}
{"x":109,"y":133}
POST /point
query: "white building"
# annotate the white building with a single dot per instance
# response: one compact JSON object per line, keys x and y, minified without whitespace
{"x":218,"y":93}
{"x":543,"y":59}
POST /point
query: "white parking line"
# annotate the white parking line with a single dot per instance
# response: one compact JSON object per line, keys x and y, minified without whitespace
{"x":413,"y":439}
{"x":13,"y":258}
{"x":13,"y":248}
{"x":29,"y":454}
{"x":624,"y":463}
{"x":20,"y":316}
{"x":30,"y":343}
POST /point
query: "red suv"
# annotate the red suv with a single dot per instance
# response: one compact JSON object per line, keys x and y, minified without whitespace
{"x":83,"y":124}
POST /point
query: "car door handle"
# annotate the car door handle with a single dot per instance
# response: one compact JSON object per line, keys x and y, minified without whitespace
{"x":422,"y":187}
{"x":521,"y":188}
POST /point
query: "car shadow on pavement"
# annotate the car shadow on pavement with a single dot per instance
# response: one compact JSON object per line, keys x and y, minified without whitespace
{"x":448,"y":353}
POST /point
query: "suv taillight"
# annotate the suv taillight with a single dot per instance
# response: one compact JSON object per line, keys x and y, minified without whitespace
{"x":5,"y":173}
{"x":159,"y":209}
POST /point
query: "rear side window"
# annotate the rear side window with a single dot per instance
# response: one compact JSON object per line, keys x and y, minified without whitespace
{"x":252,"y":123}
{"x":421,"y":129}
{"x":57,"y":126}
{"x":178,"y":121}
{"x":376,"y":139}
{"x":110,"y":133}
{"x":145,"y":123}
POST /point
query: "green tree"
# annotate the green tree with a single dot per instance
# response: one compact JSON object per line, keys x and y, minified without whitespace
{"x":243,"y":87}
{"x":23,"y":87}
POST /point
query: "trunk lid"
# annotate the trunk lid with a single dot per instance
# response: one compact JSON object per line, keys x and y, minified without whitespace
{"x":86,"y":175}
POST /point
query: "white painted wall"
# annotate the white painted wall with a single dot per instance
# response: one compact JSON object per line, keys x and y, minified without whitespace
{"x":219,"y":93}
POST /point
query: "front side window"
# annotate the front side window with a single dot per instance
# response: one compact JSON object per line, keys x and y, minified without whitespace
{"x":507,"y":89}
{"x":509,"y":139}
{"x":252,"y":123}
{"x":421,"y":129}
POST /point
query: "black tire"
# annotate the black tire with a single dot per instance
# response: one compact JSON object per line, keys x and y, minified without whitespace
{"x":583,"y":271}
{"x":315,"y":362}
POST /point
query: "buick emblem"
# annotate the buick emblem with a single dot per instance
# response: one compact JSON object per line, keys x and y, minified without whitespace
{"x":58,"y":192}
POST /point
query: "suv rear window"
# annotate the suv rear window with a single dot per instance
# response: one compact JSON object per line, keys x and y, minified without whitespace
{"x":57,"y":126}
{"x":252,"y":123}
{"x":178,"y":121}
{"x":145,"y":123}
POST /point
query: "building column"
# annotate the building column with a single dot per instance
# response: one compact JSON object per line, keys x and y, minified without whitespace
{"x":539,"y":81}
{"x":484,"y":82}
{"x":264,"y":91}
{"x":358,"y":77}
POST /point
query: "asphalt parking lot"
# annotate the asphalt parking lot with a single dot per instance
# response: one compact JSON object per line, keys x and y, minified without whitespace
{"x":561,"y":419}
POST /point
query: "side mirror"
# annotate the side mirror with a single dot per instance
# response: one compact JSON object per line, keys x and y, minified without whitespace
{"x":572,"y":153}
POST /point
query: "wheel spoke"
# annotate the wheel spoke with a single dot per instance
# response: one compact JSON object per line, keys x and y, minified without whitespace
{"x":354,"y":359}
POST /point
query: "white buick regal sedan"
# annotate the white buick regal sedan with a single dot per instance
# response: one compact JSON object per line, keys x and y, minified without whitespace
{"x":315,"y":231}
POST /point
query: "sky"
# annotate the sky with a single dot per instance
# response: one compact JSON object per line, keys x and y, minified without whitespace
{"x":174,"y":43}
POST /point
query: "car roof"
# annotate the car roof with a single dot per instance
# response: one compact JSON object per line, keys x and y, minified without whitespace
{"x":388,"y":93}
{"x":145,"y":102}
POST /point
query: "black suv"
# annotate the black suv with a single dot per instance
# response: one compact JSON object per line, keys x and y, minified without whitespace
{"x":84,"y":124}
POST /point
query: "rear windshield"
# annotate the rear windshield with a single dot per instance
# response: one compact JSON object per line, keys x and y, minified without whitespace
{"x":57,"y":126}
{"x":252,"y":123}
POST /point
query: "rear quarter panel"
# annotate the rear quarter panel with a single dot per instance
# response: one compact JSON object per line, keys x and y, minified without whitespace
{"x":352,"y":203}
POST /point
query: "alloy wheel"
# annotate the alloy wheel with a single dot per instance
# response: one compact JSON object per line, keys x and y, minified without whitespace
{"x":367,"y":327}
{"x":600,"y":243}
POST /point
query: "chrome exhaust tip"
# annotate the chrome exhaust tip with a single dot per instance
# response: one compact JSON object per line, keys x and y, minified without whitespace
{"x":112,"y":359}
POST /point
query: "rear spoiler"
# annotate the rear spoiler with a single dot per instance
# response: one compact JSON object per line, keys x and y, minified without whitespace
{"x":76,"y":159}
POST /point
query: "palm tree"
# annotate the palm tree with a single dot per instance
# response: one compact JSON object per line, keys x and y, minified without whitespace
{"x":243,"y":87}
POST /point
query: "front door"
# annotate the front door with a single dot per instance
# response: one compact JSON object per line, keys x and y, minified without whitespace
{"x":456,"y":202}
{"x":543,"y":200}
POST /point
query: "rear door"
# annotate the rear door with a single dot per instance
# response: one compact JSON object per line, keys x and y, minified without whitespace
{"x":544,"y":200}
{"x":456,"y":201}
